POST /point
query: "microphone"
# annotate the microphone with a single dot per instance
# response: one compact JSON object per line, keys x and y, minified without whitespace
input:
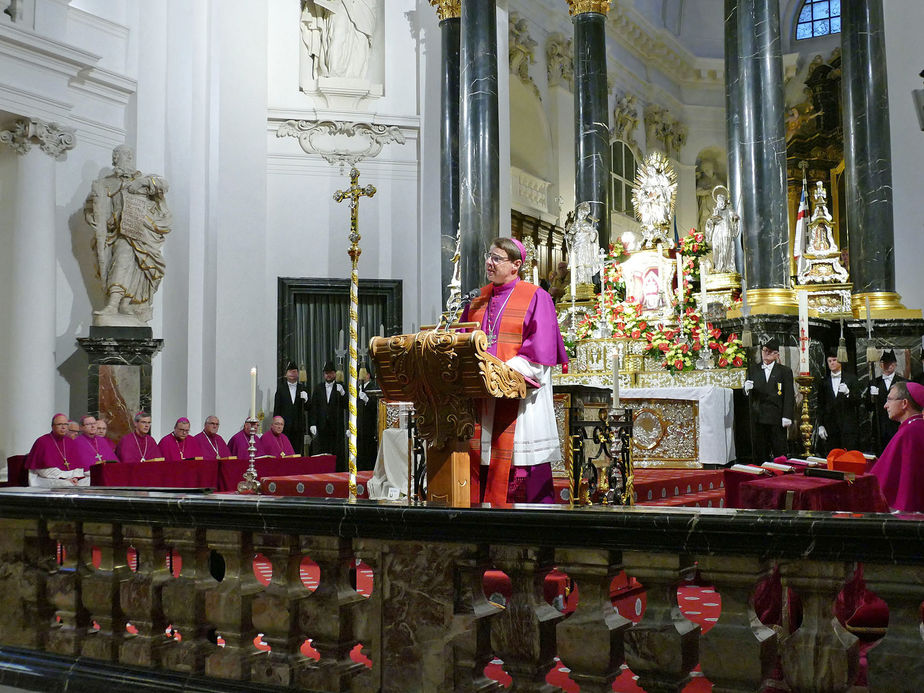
{"x":470,"y":296}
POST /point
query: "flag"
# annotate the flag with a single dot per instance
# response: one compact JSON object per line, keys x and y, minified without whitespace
{"x":676,"y":236}
{"x":801,"y":223}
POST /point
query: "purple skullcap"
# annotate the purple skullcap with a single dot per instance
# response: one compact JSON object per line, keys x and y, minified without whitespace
{"x":520,"y":248}
{"x":56,"y":416}
{"x":182,"y":419}
{"x":917,"y":393}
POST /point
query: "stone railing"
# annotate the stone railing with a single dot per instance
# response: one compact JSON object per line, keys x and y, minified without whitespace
{"x":69,"y":591}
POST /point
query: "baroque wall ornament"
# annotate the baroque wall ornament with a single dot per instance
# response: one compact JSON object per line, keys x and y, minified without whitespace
{"x":663,"y":131}
{"x":522,"y":50}
{"x":53,"y":139}
{"x":447,"y":9}
{"x":559,"y":59}
{"x":582,"y":6}
{"x":333,"y":139}
{"x":625,"y":118}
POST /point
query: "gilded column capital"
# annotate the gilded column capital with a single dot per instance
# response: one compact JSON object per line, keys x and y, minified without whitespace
{"x":583,"y":6}
{"x":447,"y":9}
{"x":55,"y":140}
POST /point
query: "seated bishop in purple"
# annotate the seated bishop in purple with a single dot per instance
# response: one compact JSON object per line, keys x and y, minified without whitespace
{"x":102,"y":428}
{"x":178,"y":445}
{"x":91,"y":446}
{"x":275,"y":443}
{"x":240,"y":441}
{"x":211,"y":445}
{"x":900,"y":467}
{"x":139,"y":446}
{"x":56,"y":460}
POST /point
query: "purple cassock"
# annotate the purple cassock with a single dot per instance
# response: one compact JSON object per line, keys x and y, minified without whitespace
{"x":271,"y":445}
{"x":95,"y":449}
{"x":135,"y":448}
{"x":542,"y":342}
{"x":51,"y":451}
{"x":900,"y":467}
{"x":212,"y":447}
{"x":239,"y":443}
{"x":175,"y":450}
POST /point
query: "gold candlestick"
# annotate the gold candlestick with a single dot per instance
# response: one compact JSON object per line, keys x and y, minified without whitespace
{"x":353,"y":193}
{"x":805,"y":423}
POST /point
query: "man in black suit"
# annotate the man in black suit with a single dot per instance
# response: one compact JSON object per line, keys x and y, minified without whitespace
{"x":290,"y":403}
{"x":838,"y":413}
{"x":770,"y":390}
{"x":878,"y":391}
{"x":325,"y":417}
{"x":367,"y":421}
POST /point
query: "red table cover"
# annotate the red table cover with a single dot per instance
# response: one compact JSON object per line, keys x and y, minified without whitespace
{"x":333,"y":485}
{"x":810,"y":493}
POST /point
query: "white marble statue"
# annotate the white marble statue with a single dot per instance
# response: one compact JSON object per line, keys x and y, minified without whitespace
{"x":706,"y":180}
{"x":721,"y":231}
{"x":129,"y":217}
{"x":583,"y":246}
{"x":337,"y":36}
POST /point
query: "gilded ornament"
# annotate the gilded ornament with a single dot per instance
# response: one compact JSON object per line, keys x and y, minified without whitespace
{"x":582,"y":6}
{"x":447,"y":9}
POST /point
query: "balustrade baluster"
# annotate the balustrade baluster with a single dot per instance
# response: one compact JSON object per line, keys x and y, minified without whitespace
{"x":590,"y":641}
{"x":228,"y":606}
{"x":896,"y":663}
{"x":523,"y":635}
{"x":140,"y":597}
{"x":472,"y":624}
{"x":820,"y":655}
{"x":275,"y":611}
{"x":737,"y":631}
{"x":28,"y":559}
{"x":64,"y":587}
{"x":663,"y":648}
{"x":183,"y":600}
{"x":100,"y":589}
{"x":326,"y":618}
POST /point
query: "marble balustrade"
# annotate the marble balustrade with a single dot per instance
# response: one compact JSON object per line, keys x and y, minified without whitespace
{"x":427,"y":624}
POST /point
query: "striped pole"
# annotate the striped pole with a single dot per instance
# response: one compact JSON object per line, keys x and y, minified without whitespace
{"x":353,"y":193}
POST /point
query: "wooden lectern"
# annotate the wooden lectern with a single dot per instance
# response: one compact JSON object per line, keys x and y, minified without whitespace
{"x":444,"y":374}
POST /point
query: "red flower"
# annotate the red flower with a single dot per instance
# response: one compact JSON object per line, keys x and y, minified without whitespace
{"x":620,"y":308}
{"x":684,"y":348}
{"x":664,"y":346}
{"x":678,"y":364}
{"x":697,"y":346}
{"x":733,"y":337}
{"x":642,"y":325}
{"x":722,"y":363}
{"x":737,"y":362}
{"x":722,"y":348}
{"x":636,"y":334}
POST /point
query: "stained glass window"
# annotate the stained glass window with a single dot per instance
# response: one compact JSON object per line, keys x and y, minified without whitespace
{"x":818,"y":18}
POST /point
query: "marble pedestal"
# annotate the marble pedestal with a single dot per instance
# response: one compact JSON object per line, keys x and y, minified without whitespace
{"x":119,"y":374}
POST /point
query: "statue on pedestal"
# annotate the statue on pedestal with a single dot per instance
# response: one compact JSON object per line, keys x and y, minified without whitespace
{"x":722,"y":230}
{"x":337,"y":36}
{"x":583,"y":247}
{"x":128,"y":213}
{"x":653,"y":196}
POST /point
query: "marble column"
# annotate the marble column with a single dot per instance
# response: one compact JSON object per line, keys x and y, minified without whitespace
{"x":755,"y":99}
{"x":450,"y":15}
{"x":867,"y":157}
{"x":479,"y":133}
{"x":733,"y":115}
{"x":30,"y":360}
{"x":591,"y":112}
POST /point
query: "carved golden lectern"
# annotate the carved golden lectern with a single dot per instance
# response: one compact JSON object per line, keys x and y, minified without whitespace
{"x":444,"y":374}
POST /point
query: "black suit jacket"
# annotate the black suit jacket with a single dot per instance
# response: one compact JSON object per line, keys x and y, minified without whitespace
{"x":328,"y":415}
{"x":837,"y":412}
{"x":293,"y":413}
{"x":772,"y":400}
{"x":887,"y":427}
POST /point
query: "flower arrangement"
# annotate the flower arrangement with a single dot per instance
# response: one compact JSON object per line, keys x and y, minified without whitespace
{"x":692,"y":247}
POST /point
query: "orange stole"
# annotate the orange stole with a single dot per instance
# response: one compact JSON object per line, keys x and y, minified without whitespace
{"x":509,"y":341}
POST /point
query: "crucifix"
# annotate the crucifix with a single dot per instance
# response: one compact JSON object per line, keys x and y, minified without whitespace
{"x":353,"y":193}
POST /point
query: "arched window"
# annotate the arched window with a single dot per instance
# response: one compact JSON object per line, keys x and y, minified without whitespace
{"x":622,"y":176}
{"x":818,"y":18}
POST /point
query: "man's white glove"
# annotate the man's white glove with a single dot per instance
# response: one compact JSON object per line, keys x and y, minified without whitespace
{"x":787,"y":422}
{"x":843,"y":389}
{"x":314,"y":430}
{"x":303,"y":395}
{"x":340,"y":389}
{"x":364,"y":397}
{"x":873,"y":390}
{"x":748,"y":386}
{"x":822,"y":433}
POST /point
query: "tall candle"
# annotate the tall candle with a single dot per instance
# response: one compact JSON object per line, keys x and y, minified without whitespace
{"x":679,"y":279}
{"x":362,"y":339}
{"x":381,"y":330}
{"x":341,"y":339}
{"x":536,"y":275}
{"x":615,"y":379}
{"x":573,"y":284}
{"x":253,"y":392}
{"x":803,"y":333}
{"x":869,"y":318}
{"x":704,"y":297}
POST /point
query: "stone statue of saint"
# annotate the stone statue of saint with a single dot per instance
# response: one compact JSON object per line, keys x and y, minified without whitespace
{"x":583,"y":245}
{"x":721,"y":231}
{"x":129,"y":217}
{"x":337,"y":36}
{"x":706,"y":180}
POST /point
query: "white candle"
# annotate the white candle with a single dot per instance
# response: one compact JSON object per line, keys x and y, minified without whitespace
{"x":362,"y":339}
{"x":803,"y":333}
{"x":573,"y":284}
{"x":702,"y":285}
{"x":381,"y":330}
{"x":536,"y":275}
{"x":615,"y":379}
{"x":253,"y":392}
{"x":341,"y":340}
{"x":679,"y":279}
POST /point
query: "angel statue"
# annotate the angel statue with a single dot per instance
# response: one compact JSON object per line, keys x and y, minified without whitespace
{"x":722,"y":230}
{"x":583,"y":247}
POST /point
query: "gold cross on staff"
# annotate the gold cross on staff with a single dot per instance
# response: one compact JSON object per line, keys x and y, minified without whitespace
{"x":354,"y":192}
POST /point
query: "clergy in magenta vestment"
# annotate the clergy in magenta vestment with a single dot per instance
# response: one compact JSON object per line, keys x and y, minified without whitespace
{"x":518,"y":438}
{"x":900,"y":467}
{"x":56,"y":460}
{"x":174,"y":449}
{"x":96,"y":448}
{"x":240,"y":441}
{"x":212,"y":446}
{"x":107,"y":449}
{"x":272,"y":445}
{"x":134,"y":447}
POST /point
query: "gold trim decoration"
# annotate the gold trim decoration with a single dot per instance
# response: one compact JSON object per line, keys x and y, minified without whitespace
{"x":772,"y":302}
{"x":561,"y":401}
{"x":583,"y":6}
{"x":805,"y":420}
{"x":882,"y":304}
{"x":447,"y":9}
